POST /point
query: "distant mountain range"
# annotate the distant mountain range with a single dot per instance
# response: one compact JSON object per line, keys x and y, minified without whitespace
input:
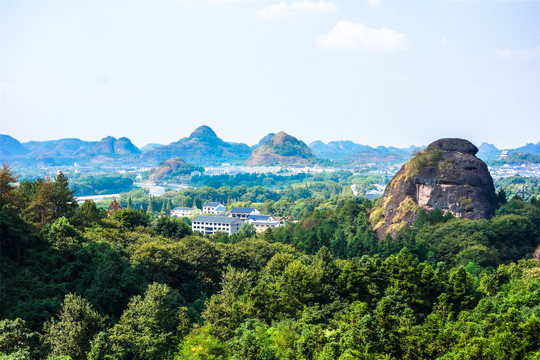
{"x":204,"y":148}
{"x":352,"y":153}
{"x":489,"y":152}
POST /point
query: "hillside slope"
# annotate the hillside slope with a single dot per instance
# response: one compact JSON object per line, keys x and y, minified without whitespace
{"x":283,"y":149}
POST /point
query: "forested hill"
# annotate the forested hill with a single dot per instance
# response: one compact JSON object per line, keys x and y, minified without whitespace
{"x":81,"y":282}
{"x":202,"y":147}
{"x":283,"y":149}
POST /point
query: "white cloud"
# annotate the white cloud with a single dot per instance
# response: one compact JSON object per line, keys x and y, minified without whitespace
{"x":358,"y":37}
{"x":283,"y":9}
{"x":442,"y":41}
{"x":520,"y":54}
{"x":374,"y":3}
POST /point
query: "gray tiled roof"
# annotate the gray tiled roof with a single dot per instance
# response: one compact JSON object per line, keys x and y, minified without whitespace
{"x":242,"y":210}
{"x":259,"y":217}
{"x":217,"y":219}
{"x":212,"y":204}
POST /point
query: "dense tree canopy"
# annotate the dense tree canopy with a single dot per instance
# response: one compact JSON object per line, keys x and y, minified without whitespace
{"x":134,"y":285}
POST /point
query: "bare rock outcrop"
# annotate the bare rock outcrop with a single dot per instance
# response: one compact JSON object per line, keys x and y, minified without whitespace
{"x":447,"y":176}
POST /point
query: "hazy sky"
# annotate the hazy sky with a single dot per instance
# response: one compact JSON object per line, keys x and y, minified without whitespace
{"x":376,"y":72}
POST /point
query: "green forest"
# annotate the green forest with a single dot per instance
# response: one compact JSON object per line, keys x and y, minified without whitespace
{"x":78,"y":281}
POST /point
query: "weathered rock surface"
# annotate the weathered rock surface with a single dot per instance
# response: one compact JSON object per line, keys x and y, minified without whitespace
{"x":447,"y":176}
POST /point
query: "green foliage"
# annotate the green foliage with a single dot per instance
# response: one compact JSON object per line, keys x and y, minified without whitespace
{"x":320,"y":288}
{"x":88,"y":215}
{"x":131,"y":219}
{"x":422,"y":159}
{"x":97,"y":184}
{"x":7,"y":185}
{"x":61,"y":235}
{"x":171,"y":227}
{"x":518,"y":159}
{"x":513,"y":185}
{"x":77,"y":324}
{"x":16,"y":340}
{"x":202,"y":345}
{"x":150,"y":326}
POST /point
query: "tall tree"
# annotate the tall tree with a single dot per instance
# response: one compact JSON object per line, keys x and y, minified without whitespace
{"x":149,"y":325}
{"x":150,"y":205}
{"x":71,"y":332}
{"x":7,"y":181}
{"x":40,"y":208}
{"x":64,"y":202}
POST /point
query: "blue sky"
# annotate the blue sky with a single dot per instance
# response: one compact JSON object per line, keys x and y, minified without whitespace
{"x":376,"y":72}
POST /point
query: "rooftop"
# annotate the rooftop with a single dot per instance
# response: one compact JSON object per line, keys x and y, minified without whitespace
{"x":242,"y":210}
{"x":259,"y":217}
{"x":213,"y":204}
{"x":217,"y":219}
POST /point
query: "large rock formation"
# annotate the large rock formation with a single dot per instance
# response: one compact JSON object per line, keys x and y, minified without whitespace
{"x":447,"y":176}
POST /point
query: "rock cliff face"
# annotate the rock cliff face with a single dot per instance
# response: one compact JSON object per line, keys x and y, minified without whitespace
{"x":447,"y":176}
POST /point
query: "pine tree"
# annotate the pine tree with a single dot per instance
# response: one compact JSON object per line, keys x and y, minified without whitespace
{"x":129,"y":203}
{"x":7,"y":181}
{"x":64,"y":203}
{"x":151,"y":205}
{"x":168,"y":208}
{"x":347,"y":191}
{"x":163,"y":208}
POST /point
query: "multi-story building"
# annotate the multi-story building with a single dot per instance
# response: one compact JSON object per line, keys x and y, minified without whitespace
{"x":244,"y":212}
{"x":185,"y":211}
{"x":212,"y":224}
{"x":263,"y":222}
{"x":214,"y":208}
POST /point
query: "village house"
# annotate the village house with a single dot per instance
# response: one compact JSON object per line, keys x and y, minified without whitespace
{"x":185,"y":211}
{"x":254,"y":218}
{"x":262,"y":222}
{"x":211,"y":224}
{"x":243,"y":212}
{"x":214,"y":208}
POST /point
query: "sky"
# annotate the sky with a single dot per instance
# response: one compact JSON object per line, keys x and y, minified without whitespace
{"x":377,"y":72}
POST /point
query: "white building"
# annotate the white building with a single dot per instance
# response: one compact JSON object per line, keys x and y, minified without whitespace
{"x":263,"y":222}
{"x":214,"y":208}
{"x":244,"y":212}
{"x":254,"y":218}
{"x":185,"y":211}
{"x":212,"y":224}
